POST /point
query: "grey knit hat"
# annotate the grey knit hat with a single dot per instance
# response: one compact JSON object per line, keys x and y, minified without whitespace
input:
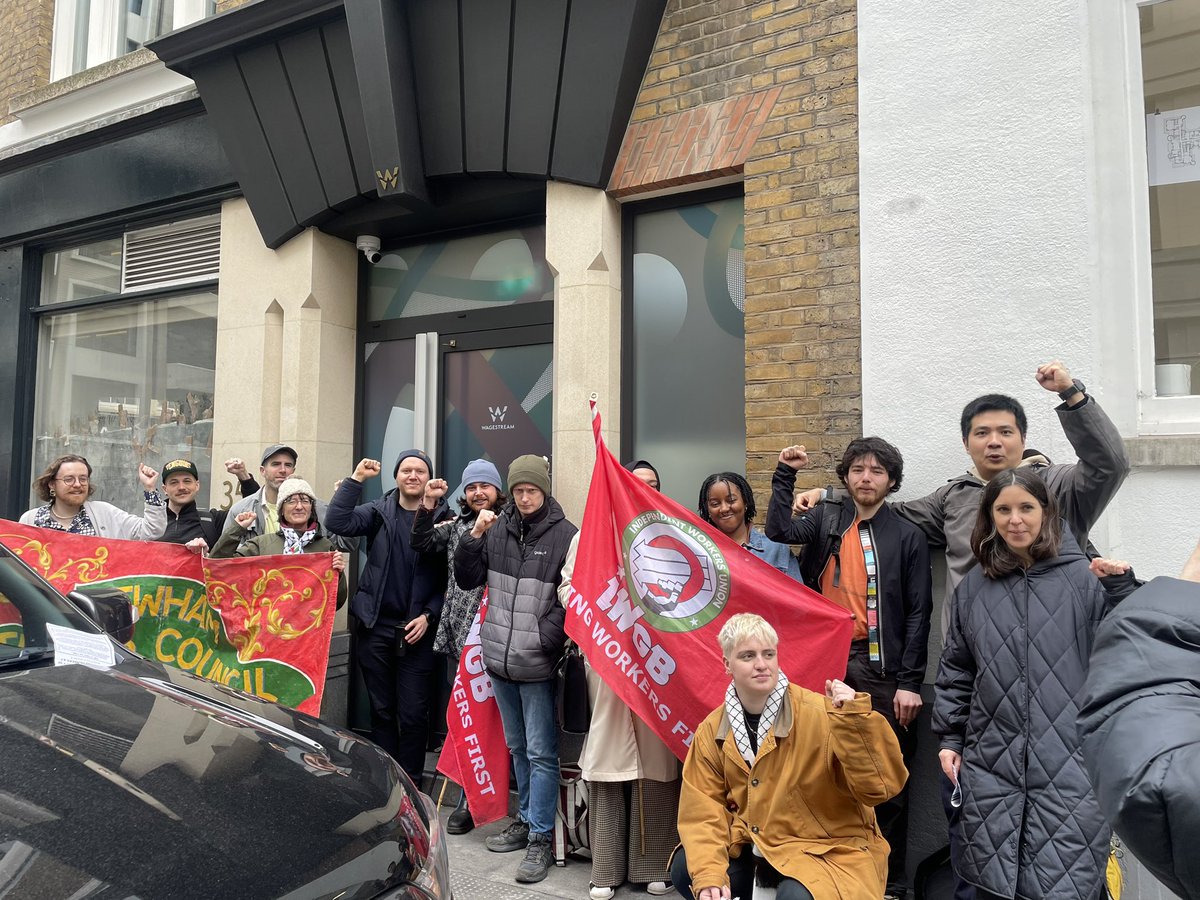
{"x":481,"y":471}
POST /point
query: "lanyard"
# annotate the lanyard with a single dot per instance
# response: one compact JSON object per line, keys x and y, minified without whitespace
{"x":864,"y":536}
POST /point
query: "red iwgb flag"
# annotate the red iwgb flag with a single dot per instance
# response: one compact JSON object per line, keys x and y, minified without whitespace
{"x":475,"y":754}
{"x":653,"y":585}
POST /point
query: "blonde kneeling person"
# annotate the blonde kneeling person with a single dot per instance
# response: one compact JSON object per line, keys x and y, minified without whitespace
{"x":789,"y":771}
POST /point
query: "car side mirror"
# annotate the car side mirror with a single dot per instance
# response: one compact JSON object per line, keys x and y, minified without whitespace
{"x":108,"y":607}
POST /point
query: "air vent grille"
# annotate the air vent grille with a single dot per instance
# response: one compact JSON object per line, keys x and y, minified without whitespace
{"x":172,"y":255}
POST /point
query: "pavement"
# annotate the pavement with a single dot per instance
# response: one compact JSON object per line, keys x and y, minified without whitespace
{"x":477,"y":873}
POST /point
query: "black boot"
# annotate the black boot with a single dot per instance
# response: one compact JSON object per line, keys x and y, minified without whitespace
{"x":460,"y":821}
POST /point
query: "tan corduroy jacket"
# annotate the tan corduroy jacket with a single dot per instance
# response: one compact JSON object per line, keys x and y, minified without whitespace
{"x":807,"y":802}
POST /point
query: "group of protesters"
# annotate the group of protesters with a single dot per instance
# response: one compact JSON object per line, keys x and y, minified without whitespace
{"x":781,"y":785}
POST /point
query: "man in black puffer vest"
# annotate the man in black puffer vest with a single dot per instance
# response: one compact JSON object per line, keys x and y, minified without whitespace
{"x":519,"y":554}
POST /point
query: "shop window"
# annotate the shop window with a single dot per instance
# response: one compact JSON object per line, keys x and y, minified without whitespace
{"x":127,"y":379}
{"x":90,"y":32}
{"x":686,"y":342}
{"x":483,"y":271}
{"x":1170,"y":43}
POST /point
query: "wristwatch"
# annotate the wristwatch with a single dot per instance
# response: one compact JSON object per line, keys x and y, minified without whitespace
{"x":1076,"y":385}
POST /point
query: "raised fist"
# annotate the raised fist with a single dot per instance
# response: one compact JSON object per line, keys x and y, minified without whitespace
{"x":147,"y":476}
{"x":435,"y":490}
{"x":246,"y":518}
{"x":1101,"y":567}
{"x":1054,"y":376}
{"x":236,"y":467}
{"x":806,"y":500}
{"x":366,"y":468}
{"x":485,"y":520}
{"x":794,"y":456}
{"x":838,"y":692}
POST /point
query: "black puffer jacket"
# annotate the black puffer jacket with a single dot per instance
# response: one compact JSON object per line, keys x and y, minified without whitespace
{"x":521,"y":563}
{"x":1008,"y":688}
{"x":1140,"y":728}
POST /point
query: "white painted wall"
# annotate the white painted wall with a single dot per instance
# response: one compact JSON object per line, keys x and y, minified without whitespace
{"x":1003,"y":226}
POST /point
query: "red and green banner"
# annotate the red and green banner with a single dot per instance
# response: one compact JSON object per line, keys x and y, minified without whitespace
{"x":260,"y":624}
{"x":653,"y":585}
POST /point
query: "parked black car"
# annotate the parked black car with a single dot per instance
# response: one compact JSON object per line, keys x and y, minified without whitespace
{"x":141,"y":781}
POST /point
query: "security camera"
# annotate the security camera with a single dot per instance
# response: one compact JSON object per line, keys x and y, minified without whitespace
{"x":369,"y":245}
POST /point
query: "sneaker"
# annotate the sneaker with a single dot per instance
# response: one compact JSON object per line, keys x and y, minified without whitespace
{"x":460,"y":821}
{"x":539,"y":857}
{"x":895,"y":892}
{"x":595,"y":892}
{"x":514,"y":837}
{"x":658,"y":888}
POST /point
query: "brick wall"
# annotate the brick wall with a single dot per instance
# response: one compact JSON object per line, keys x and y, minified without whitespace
{"x":795,"y":61}
{"x":25,"y":31}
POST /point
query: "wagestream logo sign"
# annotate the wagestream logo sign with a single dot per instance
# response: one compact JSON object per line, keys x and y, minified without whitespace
{"x":497,"y":413}
{"x":675,"y":572}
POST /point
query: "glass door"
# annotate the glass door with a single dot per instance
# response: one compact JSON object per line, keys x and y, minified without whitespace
{"x":496,"y":398}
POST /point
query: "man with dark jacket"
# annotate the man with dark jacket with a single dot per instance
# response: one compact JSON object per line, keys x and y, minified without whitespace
{"x":396,"y":606}
{"x":187,"y":523}
{"x":861,"y":555}
{"x":1139,"y":724}
{"x":519,"y":554}
{"x":993,"y":434}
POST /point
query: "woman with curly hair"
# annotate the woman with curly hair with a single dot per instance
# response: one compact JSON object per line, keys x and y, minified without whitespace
{"x":727,"y":502}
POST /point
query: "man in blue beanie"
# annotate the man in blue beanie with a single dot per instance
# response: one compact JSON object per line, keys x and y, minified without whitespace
{"x":396,"y":607}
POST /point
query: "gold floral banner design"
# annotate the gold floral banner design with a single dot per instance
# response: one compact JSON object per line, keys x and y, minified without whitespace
{"x":260,"y":624}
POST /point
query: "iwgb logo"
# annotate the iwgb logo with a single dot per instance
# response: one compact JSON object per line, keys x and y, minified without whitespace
{"x":675,"y":572}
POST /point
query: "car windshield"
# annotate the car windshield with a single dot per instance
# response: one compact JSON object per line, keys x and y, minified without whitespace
{"x":27,"y":605}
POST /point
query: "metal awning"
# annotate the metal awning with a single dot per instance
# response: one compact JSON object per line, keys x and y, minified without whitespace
{"x":348,"y":114}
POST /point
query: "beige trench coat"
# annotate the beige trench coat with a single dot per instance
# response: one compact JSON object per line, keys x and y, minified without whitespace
{"x":619,"y":746}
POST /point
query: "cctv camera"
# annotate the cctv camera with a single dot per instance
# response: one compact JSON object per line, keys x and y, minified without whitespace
{"x":369,"y":245}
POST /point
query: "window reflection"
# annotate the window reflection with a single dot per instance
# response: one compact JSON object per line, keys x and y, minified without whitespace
{"x":688,"y":342}
{"x":128,"y":383}
{"x":479,"y":272}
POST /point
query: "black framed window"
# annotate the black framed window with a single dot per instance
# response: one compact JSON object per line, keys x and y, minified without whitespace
{"x":125,"y":375}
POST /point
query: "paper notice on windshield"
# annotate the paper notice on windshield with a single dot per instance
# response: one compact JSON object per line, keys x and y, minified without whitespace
{"x":72,"y":647}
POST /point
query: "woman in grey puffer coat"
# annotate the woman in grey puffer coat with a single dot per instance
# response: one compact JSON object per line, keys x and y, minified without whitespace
{"x":1008,"y":689}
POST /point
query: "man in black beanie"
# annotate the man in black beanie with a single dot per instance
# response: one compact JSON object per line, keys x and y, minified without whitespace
{"x":396,"y":606}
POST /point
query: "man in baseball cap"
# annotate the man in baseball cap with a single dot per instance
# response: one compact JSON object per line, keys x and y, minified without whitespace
{"x":278,"y":465}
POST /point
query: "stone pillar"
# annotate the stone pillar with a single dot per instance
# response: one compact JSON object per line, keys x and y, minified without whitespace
{"x":583,"y":248}
{"x":285,"y":368}
{"x":285,"y":350}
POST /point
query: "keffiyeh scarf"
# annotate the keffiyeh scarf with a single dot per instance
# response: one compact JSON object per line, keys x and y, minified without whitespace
{"x":737,"y":718}
{"x":295,"y":543}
